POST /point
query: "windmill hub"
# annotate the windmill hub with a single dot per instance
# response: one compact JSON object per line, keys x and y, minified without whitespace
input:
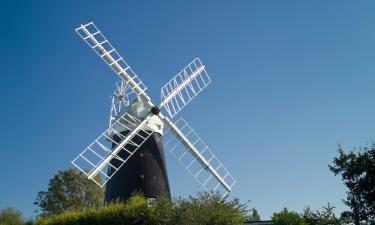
{"x":155,"y":110}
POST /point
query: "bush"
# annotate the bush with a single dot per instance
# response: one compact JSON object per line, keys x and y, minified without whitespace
{"x":202,"y":210}
{"x":287,"y":218}
{"x":10,"y":216}
{"x":324,"y":217}
{"x":207,"y":209}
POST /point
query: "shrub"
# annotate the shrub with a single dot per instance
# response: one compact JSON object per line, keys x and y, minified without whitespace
{"x":324,"y":217}
{"x":205,"y":209}
{"x":287,"y":218}
{"x":10,"y":216}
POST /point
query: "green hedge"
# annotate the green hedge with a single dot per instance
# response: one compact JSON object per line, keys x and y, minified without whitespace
{"x":202,"y":210}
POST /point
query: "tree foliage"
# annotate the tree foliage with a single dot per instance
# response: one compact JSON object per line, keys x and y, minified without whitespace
{"x":208,"y":209}
{"x":325,"y":217}
{"x":254,"y":216}
{"x":201,"y":210}
{"x":357,"y":171}
{"x":68,"y":190}
{"x":10,"y":216}
{"x":286,"y":217}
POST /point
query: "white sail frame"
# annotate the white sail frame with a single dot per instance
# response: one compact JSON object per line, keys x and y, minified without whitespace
{"x":184,"y":87}
{"x":101,"y":46}
{"x":95,"y":160}
{"x":196,"y":157}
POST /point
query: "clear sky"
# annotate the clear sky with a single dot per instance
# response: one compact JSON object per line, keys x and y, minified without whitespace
{"x":291,"y":80}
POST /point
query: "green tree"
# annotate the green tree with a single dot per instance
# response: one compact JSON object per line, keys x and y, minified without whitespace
{"x":10,"y":216}
{"x":254,"y":216}
{"x":207,"y":209}
{"x":163,"y":212}
{"x":357,"y":171}
{"x":287,"y":218}
{"x":67,"y":190}
{"x":325,"y":217}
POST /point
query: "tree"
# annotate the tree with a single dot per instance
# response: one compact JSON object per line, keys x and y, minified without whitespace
{"x":67,"y":190}
{"x":10,"y":216}
{"x":287,"y":218}
{"x":326,"y":217}
{"x":207,"y":209}
{"x":254,"y":216}
{"x":357,"y":171}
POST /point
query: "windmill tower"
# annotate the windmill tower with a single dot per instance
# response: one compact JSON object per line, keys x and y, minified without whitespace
{"x":129,"y":155}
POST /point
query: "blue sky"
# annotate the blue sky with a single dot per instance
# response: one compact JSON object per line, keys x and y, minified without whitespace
{"x":291,"y":80}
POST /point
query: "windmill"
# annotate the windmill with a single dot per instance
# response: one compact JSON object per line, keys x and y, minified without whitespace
{"x":129,"y":155}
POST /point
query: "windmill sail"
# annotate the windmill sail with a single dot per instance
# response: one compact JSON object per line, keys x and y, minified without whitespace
{"x":101,"y":159}
{"x":184,"y":86}
{"x":100,"y":44}
{"x":197,"y":158}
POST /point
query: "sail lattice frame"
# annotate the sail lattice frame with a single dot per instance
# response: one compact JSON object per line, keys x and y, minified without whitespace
{"x":184,"y":86}
{"x":200,"y":172}
{"x":101,"y":46}
{"x":99,"y":162}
